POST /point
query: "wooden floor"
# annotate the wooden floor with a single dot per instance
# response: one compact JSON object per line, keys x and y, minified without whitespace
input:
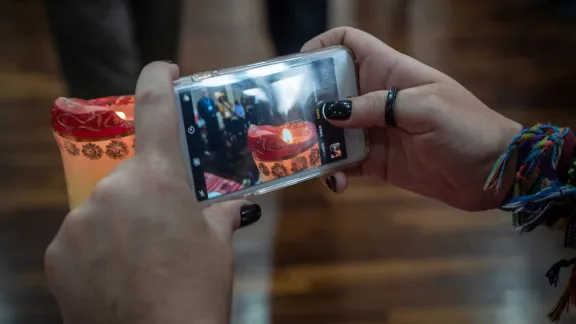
{"x":373,"y":255}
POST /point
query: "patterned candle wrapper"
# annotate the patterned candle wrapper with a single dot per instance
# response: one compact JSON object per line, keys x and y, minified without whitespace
{"x":271,"y":170}
{"x":94,"y":136}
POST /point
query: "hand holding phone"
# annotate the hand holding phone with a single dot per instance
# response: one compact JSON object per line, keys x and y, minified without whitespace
{"x":139,"y":242}
{"x":258,"y":128}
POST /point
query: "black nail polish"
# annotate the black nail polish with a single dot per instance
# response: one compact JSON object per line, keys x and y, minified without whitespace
{"x":249,"y":215}
{"x":338,"y":110}
{"x":331,"y":183}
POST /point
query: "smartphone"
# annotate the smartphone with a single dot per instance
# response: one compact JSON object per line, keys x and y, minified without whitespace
{"x":254,"y":129}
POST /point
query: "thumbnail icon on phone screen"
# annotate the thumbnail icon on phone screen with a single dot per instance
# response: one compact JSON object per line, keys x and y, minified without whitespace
{"x":335,"y":151}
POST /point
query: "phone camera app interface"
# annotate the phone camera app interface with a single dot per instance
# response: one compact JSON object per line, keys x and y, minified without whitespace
{"x":260,"y":126}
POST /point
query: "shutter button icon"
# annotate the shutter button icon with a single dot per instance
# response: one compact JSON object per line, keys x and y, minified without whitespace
{"x":191,"y":130}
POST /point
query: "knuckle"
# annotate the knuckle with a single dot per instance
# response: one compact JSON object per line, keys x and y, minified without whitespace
{"x":71,"y":232}
{"x":375,"y":103}
{"x":120,"y":180}
{"x":73,"y":225}
{"x":149,"y":95}
{"x":372,"y":100}
{"x":434,"y":100}
{"x":106,"y":191}
{"x":345,"y":29}
{"x":428,"y":108}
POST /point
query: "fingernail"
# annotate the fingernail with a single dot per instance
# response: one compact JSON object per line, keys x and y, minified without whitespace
{"x":331,"y":183}
{"x":338,"y":110}
{"x":249,"y":215}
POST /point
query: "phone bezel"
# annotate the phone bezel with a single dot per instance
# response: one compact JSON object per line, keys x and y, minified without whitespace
{"x":346,"y":77}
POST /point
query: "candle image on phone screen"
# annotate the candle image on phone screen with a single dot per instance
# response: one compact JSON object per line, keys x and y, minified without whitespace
{"x":259,"y":126}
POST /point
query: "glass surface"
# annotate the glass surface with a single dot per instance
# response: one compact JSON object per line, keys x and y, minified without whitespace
{"x":260,"y":125}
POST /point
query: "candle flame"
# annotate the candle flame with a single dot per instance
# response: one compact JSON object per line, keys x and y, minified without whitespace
{"x":287,"y":136}
{"x":121,"y":114}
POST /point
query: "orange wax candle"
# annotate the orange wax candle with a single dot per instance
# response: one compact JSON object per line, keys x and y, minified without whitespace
{"x":279,"y":151}
{"x":94,"y":136}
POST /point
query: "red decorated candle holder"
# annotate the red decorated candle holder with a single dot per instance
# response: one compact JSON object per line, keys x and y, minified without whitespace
{"x":93,"y":136}
{"x":279,"y":151}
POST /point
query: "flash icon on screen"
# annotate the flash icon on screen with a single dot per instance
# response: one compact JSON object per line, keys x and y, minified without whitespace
{"x":186,"y":98}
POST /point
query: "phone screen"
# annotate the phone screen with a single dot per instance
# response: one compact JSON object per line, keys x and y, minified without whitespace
{"x":258,"y":127}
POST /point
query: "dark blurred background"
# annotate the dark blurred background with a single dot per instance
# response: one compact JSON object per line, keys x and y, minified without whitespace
{"x":370,"y":256}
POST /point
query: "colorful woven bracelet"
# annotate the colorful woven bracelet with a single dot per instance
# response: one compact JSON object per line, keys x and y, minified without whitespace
{"x":543,"y":192}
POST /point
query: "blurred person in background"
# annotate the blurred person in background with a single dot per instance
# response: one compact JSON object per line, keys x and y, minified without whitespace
{"x":563,"y":8}
{"x":207,"y":110}
{"x":294,"y":22}
{"x":239,"y":109}
{"x":566,"y":8}
{"x":103,"y":44}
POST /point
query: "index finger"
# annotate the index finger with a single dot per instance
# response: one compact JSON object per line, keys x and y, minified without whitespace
{"x":155,"y":109}
{"x":381,"y":66}
{"x":362,"y":44}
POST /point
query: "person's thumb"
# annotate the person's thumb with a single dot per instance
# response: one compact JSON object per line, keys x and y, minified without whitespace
{"x":370,"y":110}
{"x":226,"y":217}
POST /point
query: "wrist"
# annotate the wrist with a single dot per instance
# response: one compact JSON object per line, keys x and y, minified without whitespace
{"x":501,"y":184}
{"x":535,"y":157}
{"x":509,"y":173}
{"x":543,"y":155}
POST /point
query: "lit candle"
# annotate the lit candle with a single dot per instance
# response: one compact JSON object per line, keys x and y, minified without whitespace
{"x":94,"y":136}
{"x":279,"y":151}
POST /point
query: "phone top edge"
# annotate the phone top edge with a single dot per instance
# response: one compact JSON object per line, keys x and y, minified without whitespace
{"x":190,"y":80}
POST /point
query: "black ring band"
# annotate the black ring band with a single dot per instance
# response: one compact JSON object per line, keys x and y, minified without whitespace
{"x":389,"y":118}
